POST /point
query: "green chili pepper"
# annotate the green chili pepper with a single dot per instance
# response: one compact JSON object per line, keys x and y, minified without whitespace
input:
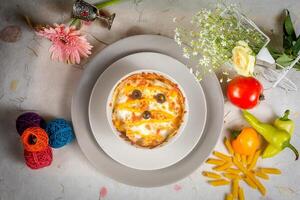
{"x":270,"y":151}
{"x":278,"y":138}
{"x":283,"y":123}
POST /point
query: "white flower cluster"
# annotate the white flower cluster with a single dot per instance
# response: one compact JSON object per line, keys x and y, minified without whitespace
{"x":214,"y":35}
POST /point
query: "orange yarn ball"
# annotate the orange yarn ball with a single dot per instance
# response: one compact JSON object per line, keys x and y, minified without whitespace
{"x":35,"y":139}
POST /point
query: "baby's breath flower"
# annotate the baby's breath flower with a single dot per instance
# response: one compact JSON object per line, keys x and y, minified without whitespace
{"x":186,"y":55}
{"x":214,"y":35}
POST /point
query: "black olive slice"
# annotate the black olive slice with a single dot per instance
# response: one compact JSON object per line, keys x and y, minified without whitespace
{"x":146,"y":114}
{"x":160,"y":98}
{"x":136,"y":94}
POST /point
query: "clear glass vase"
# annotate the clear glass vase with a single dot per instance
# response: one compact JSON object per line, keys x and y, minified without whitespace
{"x":275,"y":74}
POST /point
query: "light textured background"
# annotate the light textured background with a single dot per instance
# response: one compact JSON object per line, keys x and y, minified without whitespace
{"x":29,"y":80}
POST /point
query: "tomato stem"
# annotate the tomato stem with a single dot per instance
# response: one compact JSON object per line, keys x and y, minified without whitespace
{"x":261,"y":97}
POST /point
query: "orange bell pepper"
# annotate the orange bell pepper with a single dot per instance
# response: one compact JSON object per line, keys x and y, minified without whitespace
{"x":245,"y":142}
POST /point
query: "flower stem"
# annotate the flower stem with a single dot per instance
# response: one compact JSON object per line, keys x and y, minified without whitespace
{"x":74,"y":22}
{"x":107,"y":3}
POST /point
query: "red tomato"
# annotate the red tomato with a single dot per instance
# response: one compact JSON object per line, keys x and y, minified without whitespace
{"x":244,"y":92}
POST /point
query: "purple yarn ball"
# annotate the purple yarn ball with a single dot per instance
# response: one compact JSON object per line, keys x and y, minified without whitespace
{"x":29,"y":119}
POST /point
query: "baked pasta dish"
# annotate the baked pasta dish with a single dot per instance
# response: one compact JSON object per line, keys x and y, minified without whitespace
{"x":147,"y":109}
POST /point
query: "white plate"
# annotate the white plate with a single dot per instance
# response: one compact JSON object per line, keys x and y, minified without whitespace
{"x":109,"y":167}
{"x":142,"y":158}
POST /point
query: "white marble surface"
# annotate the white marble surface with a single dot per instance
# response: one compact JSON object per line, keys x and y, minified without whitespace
{"x":31,"y":81}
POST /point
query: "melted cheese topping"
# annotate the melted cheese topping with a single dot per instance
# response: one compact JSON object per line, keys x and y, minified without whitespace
{"x":127,"y":112}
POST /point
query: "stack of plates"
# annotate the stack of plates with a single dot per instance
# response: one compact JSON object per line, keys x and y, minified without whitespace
{"x":114,"y":157}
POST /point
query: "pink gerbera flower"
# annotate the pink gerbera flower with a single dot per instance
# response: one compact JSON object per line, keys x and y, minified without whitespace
{"x":68,"y":45}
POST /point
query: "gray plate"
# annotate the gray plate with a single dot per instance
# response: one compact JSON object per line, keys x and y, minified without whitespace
{"x":115,"y":170}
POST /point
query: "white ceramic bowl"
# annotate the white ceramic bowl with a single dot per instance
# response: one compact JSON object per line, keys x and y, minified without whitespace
{"x":141,"y":158}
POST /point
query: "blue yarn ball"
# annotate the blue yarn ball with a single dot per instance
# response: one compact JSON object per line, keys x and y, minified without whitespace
{"x":60,"y":133}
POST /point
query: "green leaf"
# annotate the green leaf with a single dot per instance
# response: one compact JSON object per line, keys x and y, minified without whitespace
{"x":284,"y":60}
{"x":296,"y":47}
{"x":287,"y":42}
{"x":274,"y":52}
{"x":291,"y":45}
{"x":297,"y":66}
{"x":288,"y":25}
